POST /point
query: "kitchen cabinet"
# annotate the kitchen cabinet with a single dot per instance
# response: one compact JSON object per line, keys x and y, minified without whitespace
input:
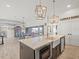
{"x":2,"y":40}
{"x":70,"y":29}
{"x":58,"y":47}
{"x":56,"y":51}
{"x":26,"y":52}
{"x":42,"y":49}
{"x":62,"y":43}
{"x":74,"y":40}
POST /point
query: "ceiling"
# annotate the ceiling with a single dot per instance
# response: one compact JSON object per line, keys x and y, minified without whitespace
{"x":62,"y":5}
{"x":17,"y":9}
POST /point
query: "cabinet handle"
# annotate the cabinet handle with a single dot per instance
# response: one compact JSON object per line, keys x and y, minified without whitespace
{"x":69,"y":34}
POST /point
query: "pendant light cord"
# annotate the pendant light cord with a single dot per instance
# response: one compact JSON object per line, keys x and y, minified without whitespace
{"x":40,"y":2}
{"x":53,"y":7}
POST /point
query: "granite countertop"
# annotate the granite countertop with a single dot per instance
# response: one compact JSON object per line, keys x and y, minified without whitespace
{"x":38,"y":42}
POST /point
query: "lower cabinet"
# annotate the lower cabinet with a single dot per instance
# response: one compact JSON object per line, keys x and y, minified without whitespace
{"x":56,"y":51}
{"x":44,"y":52}
{"x":59,"y":48}
{"x":62,"y":40}
{"x":26,"y":52}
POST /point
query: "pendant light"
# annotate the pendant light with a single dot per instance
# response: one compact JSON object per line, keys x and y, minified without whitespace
{"x":40,"y":11}
{"x":54,"y":19}
{"x":23,"y":26}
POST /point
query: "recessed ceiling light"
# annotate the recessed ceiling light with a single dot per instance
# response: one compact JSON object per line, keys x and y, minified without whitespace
{"x":68,"y":6}
{"x":8,"y":5}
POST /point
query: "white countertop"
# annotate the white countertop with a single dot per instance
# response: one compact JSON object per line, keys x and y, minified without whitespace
{"x":38,"y":42}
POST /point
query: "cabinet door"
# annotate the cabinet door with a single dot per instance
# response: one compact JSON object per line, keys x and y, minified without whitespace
{"x":26,"y":52}
{"x":65,"y":28}
{"x":62,"y":40}
{"x":75,"y":32}
{"x":56,"y":51}
{"x":74,"y":40}
{"x":67,"y":39}
{"x":70,"y":28}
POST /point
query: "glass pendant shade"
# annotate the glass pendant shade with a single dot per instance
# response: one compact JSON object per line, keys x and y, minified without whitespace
{"x":40,"y":11}
{"x":54,"y":19}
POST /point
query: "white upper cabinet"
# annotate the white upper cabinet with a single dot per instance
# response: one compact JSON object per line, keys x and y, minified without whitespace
{"x":70,"y":28}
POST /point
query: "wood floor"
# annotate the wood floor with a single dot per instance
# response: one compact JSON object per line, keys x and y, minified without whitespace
{"x":71,"y":52}
{"x":10,"y":50}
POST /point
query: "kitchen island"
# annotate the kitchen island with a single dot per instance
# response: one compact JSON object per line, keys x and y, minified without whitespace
{"x":42,"y":47}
